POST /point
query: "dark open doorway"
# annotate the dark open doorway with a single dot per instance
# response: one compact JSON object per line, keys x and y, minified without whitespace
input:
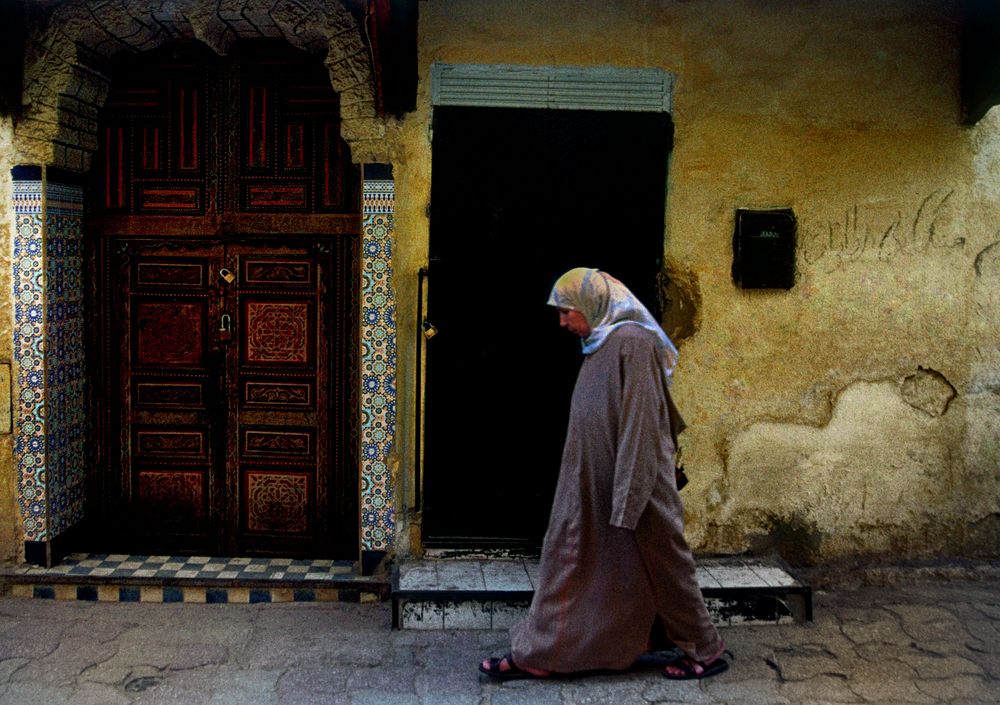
{"x":518,"y":197}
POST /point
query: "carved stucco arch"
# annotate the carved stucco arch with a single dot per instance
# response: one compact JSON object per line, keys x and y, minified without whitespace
{"x":63,"y":89}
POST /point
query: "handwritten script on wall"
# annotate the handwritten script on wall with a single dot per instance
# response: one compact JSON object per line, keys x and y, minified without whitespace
{"x":870,"y":231}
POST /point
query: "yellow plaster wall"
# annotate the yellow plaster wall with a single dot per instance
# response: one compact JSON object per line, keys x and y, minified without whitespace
{"x":804,"y":435}
{"x":8,"y":478}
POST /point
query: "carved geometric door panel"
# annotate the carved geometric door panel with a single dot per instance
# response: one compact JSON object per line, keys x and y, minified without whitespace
{"x":169,"y":383}
{"x":224,"y":355}
{"x":279,"y":376}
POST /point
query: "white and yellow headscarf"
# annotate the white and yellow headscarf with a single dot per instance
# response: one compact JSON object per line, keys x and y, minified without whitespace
{"x":606,"y":303}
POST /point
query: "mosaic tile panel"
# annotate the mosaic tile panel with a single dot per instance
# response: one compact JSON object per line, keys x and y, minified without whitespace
{"x":29,"y":355}
{"x":190,"y":594}
{"x":64,"y":359}
{"x":48,"y":349}
{"x":378,"y":366}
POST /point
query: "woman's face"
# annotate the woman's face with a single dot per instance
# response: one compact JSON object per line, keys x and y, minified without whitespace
{"x":574,"y":321}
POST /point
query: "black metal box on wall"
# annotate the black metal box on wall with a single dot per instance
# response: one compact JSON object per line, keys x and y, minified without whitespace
{"x":764,"y":249}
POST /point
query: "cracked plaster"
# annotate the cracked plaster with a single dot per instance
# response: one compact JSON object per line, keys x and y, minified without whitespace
{"x":681,"y":302}
{"x":877,"y":467}
{"x":929,"y":391}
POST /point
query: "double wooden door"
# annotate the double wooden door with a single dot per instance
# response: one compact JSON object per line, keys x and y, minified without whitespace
{"x":231,"y":408}
{"x":224,"y":232}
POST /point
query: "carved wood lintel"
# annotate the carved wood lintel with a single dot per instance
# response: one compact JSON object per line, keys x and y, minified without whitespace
{"x":321,"y":225}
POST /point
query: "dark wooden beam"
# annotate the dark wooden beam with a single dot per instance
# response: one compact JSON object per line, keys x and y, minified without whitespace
{"x":332,"y":225}
{"x":392,"y":32}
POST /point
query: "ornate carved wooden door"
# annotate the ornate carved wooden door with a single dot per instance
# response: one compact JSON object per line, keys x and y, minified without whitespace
{"x":224,"y":358}
{"x":226,"y":308}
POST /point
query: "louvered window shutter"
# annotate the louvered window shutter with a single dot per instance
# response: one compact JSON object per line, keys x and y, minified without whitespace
{"x":552,"y":87}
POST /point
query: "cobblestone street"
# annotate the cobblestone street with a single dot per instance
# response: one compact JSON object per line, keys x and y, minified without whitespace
{"x":931,"y":642}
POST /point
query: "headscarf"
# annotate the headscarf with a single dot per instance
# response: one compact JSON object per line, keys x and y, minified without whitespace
{"x":607,"y":304}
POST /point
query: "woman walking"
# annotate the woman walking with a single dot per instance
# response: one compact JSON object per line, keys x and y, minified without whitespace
{"x":614,"y":558}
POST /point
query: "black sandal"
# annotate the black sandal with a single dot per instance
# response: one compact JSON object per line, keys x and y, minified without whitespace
{"x":512,"y":672}
{"x":689,"y":668}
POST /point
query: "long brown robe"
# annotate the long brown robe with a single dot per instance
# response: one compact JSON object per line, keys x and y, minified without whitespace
{"x":614,"y":555}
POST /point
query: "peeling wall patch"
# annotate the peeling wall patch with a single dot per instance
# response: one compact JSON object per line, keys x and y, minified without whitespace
{"x":680,"y":301}
{"x":929,"y":391}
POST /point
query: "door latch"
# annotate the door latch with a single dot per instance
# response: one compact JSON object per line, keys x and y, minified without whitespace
{"x":227,"y":276}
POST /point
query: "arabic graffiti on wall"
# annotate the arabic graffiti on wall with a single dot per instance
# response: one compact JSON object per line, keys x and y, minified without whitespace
{"x":864,"y":232}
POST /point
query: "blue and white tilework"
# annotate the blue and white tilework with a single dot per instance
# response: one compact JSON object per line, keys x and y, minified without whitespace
{"x":48,"y":350}
{"x":378,"y":366}
{"x":29,"y":354}
{"x":64,"y":335}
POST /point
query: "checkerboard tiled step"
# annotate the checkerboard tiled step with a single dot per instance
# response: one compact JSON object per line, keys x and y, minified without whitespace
{"x":125,"y":578}
{"x":493,"y":594}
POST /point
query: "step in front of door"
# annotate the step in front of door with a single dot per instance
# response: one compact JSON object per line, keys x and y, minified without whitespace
{"x":205,"y":579}
{"x":494,"y":594}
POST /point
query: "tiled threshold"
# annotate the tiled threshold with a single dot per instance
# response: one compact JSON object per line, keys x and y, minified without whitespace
{"x":125,"y":578}
{"x":495,"y":593}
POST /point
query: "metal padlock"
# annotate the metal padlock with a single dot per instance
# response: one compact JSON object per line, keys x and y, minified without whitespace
{"x":225,"y":327}
{"x":227,"y":276}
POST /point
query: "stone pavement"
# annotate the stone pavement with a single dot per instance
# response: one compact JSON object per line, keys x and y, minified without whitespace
{"x":914,"y":643}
